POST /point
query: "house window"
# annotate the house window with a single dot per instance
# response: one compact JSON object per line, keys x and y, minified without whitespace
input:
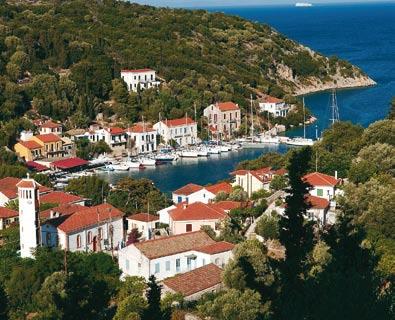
{"x":127,"y":264}
{"x":178,"y":265}
{"x":188,"y":227}
{"x":78,"y":241}
{"x":157,"y":267}
{"x":320,"y":192}
{"x":179,"y":199}
{"x":203,"y":262}
{"x":139,"y":266}
{"x":100,"y":233}
{"x":89,"y":237}
{"x":167,"y":265}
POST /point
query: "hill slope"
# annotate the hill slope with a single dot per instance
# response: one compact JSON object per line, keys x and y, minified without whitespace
{"x":202,"y":56}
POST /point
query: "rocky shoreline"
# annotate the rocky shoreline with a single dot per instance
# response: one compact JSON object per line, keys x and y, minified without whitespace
{"x":337,"y":83}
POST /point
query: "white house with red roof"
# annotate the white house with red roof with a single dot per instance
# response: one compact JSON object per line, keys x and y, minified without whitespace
{"x":183,"y":131}
{"x":191,"y":192}
{"x":7,"y":217}
{"x":276,"y":107}
{"x":143,"y":137}
{"x":223,"y":118}
{"x":115,"y":137}
{"x":139,"y":79}
{"x":192,"y":217}
{"x":165,"y":257}
{"x":85,"y":229}
{"x":50,"y":127}
{"x":61,"y":198}
{"x":322,"y":185}
{"x":9,"y":190}
{"x":255,"y":180}
{"x":145,"y":223}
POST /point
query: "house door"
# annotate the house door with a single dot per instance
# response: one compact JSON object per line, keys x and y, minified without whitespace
{"x":94,"y":241}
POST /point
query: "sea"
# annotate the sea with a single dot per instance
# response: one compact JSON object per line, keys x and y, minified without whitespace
{"x":363,"y":34}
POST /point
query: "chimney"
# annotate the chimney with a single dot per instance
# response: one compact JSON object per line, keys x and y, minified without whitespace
{"x":185,"y":205}
{"x":336,"y":174}
{"x":51,"y":214}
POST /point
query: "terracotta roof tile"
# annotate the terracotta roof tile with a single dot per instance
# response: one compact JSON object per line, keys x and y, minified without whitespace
{"x":227,"y":205}
{"x":195,"y":281}
{"x":227,"y":106}
{"x":7,"y":213}
{"x":139,"y":128}
{"x":217,"y":247}
{"x":49,"y":137}
{"x":168,"y":246}
{"x":317,"y":202}
{"x":66,"y":209}
{"x":143,"y":217}
{"x":136,"y":70}
{"x":59,"y":197}
{"x":89,"y":217}
{"x":69,"y":163}
{"x":9,"y":189}
{"x":188,"y":189}
{"x":115,"y":130}
{"x":178,"y":122}
{"x":270,"y":99}
{"x":219,"y":187}
{"x":320,"y":179}
{"x":31,"y":145}
{"x":197,"y":211}
{"x":50,"y":124}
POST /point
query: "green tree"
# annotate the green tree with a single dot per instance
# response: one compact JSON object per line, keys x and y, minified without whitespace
{"x":382,"y":131}
{"x":92,"y":188}
{"x":268,"y":227}
{"x":3,"y":303}
{"x":278,"y":183}
{"x":233,"y":305}
{"x":153,"y":295}
{"x":130,"y":299}
{"x":391,"y":113}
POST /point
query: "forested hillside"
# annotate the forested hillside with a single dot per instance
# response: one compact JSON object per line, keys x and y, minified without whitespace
{"x":60,"y":57}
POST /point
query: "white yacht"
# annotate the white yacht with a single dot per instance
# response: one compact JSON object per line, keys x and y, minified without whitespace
{"x":147,"y":162}
{"x":299,"y":141}
{"x":188,"y":154}
{"x":269,"y":139}
{"x":101,"y":159}
{"x":119,"y":167}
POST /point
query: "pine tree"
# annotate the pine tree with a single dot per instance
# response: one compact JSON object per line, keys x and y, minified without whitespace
{"x":153,"y":312}
{"x":297,"y":238}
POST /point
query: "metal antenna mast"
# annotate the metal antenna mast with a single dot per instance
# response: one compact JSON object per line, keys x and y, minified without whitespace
{"x":334,"y":108}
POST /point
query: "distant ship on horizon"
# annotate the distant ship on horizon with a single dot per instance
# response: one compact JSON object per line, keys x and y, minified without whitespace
{"x":303,"y":4}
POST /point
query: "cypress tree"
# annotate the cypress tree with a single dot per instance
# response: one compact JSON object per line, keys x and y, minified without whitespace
{"x":3,"y":303}
{"x":153,"y":312}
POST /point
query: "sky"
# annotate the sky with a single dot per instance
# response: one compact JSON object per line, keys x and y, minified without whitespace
{"x":219,"y":3}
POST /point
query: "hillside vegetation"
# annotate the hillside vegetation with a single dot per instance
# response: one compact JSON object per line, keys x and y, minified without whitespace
{"x":60,"y":58}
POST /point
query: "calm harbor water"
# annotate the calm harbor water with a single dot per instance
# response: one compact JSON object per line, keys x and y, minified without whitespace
{"x":364,"y":34}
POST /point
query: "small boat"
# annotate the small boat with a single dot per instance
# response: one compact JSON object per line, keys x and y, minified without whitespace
{"x":120,"y":167}
{"x":224,"y":148}
{"x":147,"y":162}
{"x":303,"y":4}
{"x":166,"y":157}
{"x":188,"y":154}
{"x":269,"y":139}
{"x":202,"y":153}
{"x":133,"y":164}
{"x":213,"y":150}
{"x":101,"y":159}
{"x":299,"y":141}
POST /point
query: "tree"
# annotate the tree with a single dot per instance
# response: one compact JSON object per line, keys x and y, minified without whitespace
{"x":391,"y":113}
{"x":91,"y":187}
{"x":382,"y":131}
{"x":238,"y":194}
{"x":130,"y":300}
{"x":278,"y":183}
{"x":3,"y":303}
{"x":233,"y":305}
{"x":133,"y":236}
{"x":153,"y":295}
{"x":296,"y":237}
{"x":268,"y":227}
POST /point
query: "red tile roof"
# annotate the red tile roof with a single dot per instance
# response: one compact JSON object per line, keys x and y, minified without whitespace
{"x":27,"y":183}
{"x":263,"y":174}
{"x":7,"y":213}
{"x":168,"y":246}
{"x":219,"y":187}
{"x":317,"y":202}
{"x":143,"y":217}
{"x":136,"y":70}
{"x":49,"y":137}
{"x":32,"y":165}
{"x":270,"y":99}
{"x":116,"y":130}
{"x":59,"y":197}
{"x":320,"y":179}
{"x":178,"y":122}
{"x":227,"y":205}
{"x":90,"y":217}
{"x":197,"y":211}
{"x":31,"y":145}
{"x":50,"y":124}
{"x":195,"y":281}
{"x":188,"y":189}
{"x":9,"y":189}
{"x":227,"y":106}
{"x":217,"y":247}
{"x":139,"y":128}
{"x":69,"y":163}
{"x":62,"y":210}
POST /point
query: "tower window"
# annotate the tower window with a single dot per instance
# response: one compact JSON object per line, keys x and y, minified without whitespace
{"x":78,"y":241}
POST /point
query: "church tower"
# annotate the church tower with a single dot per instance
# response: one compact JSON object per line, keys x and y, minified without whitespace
{"x":29,"y":226}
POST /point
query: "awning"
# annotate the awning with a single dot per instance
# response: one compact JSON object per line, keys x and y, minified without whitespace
{"x":69,"y":163}
{"x":34,"y":166}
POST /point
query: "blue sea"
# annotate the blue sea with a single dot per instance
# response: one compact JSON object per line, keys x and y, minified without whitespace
{"x":363,"y":34}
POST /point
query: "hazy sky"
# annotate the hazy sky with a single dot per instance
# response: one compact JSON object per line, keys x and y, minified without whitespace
{"x":206,"y":3}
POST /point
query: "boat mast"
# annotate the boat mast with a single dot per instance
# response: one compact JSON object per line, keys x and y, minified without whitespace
{"x":252,"y":120}
{"x":304,"y":121}
{"x":334,"y":108}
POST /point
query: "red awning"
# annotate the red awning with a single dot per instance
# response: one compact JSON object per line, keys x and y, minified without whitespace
{"x":34,"y":166}
{"x":69,"y":163}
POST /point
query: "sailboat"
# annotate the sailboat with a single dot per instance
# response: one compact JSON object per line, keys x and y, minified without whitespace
{"x":334,"y":108}
{"x":299,"y":141}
